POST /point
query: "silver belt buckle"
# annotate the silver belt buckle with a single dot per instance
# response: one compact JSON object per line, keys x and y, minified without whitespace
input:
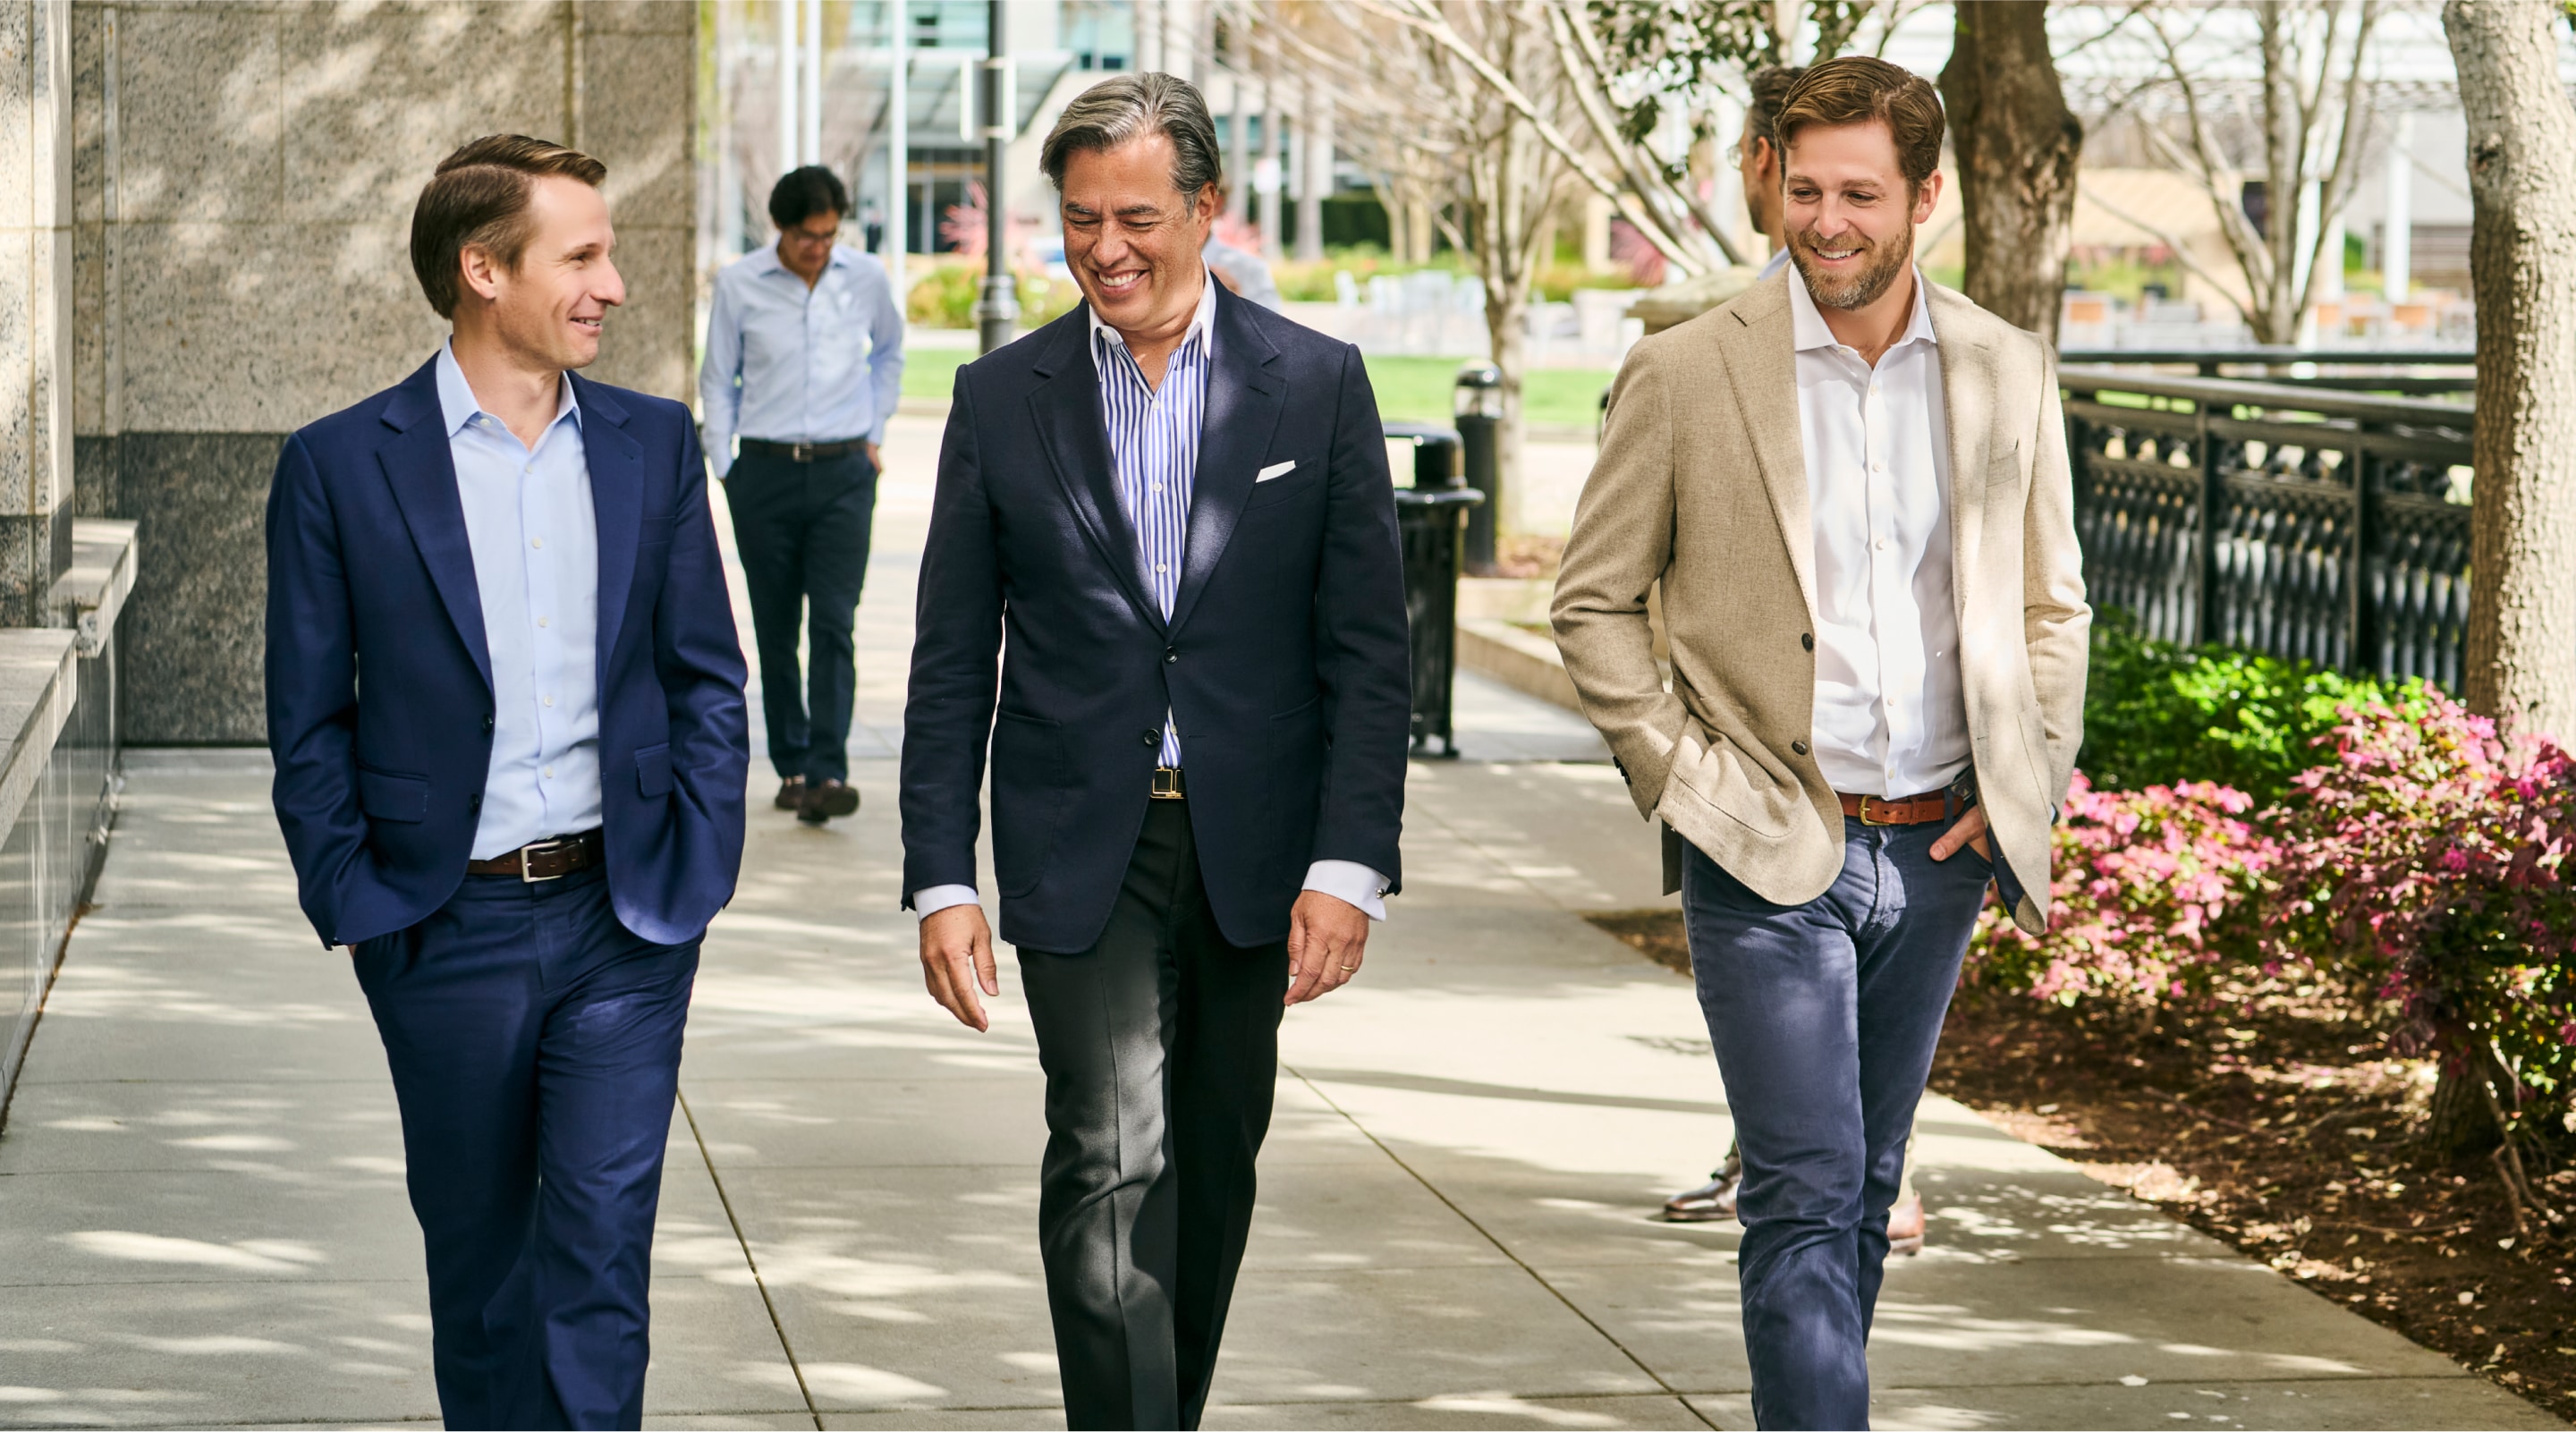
{"x":800,"y":452}
{"x":527,"y":875}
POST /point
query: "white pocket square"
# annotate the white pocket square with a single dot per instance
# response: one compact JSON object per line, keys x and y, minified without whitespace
{"x":1276,"y":469}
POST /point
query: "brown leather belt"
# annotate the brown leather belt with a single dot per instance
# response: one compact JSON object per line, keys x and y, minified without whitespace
{"x":1901,"y":810}
{"x":1167,"y":784}
{"x":545,"y":859}
{"x":802,"y":452}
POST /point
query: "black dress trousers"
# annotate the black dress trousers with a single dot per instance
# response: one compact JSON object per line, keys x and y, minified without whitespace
{"x":802,"y":529}
{"x":1161,"y":1050}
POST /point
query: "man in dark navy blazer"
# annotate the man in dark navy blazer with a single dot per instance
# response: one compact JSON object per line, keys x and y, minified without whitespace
{"x":1175,"y":504}
{"x":505,"y":701}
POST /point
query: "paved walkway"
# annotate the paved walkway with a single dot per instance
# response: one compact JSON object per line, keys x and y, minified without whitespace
{"x":202,"y":1218}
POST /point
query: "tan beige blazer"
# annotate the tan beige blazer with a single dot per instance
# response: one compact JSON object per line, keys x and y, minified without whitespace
{"x":1702,"y":485}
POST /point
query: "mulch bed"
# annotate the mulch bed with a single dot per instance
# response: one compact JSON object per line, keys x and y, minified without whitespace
{"x":2276,"y":1125}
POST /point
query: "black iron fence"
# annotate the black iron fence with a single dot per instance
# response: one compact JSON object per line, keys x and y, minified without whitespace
{"x":2308,"y":524}
{"x":2404,"y":371}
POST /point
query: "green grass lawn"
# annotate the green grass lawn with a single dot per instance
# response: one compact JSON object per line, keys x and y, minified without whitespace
{"x":1416,"y":390}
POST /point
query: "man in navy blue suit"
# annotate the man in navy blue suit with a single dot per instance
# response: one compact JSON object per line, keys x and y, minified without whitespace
{"x":1176,"y":504}
{"x":520,"y":821}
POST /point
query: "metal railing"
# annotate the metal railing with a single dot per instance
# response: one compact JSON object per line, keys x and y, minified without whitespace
{"x":2310,"y":525}
{"x":2369,"y":370}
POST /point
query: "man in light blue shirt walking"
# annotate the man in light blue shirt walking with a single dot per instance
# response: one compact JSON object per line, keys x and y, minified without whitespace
{"x":804,"y":363}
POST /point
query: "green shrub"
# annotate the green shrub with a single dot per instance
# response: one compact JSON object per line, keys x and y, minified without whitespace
{"x":945,"y":294}
{"x":2160,"y":714}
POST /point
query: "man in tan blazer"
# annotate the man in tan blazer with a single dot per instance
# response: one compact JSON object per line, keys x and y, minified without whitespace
{"x":1853,"y":488}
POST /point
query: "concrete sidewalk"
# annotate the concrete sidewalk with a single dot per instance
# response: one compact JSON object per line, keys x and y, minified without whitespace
{"x":202,"y":1218}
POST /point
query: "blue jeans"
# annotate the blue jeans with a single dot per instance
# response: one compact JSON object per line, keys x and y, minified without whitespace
{"x":535,"y":1049}
{"x":1824,"y":1016}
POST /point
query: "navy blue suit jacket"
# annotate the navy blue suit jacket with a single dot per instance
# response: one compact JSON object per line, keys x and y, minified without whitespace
{"x":1285,"y":661}
{"x":380,"y":781}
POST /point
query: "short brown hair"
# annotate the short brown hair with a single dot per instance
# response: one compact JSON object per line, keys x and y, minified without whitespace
{"x":1856,"y":89}
{"x":479,"y":199}
{"x":1769,"y":85}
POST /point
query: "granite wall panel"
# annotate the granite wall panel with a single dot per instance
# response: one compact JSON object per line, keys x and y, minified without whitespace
{"x":192,"y":628}
{"x":199,"y":126}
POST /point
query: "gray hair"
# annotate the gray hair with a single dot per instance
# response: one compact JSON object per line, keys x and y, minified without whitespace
{"x":1115,"y":111}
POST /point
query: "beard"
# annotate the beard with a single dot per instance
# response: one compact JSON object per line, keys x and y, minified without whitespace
{"x":1881,"y":262}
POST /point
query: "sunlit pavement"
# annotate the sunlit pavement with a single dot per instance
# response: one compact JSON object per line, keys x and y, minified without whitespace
{"x":202,"y":1218}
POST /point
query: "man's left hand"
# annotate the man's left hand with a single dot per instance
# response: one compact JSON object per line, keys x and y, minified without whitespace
{"x":876,"y":456}
{"x":1326,"y":936}
{"x":1970,"y":831}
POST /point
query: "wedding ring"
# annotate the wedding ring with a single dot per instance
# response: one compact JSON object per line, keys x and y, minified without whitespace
{"x":1346,"y":969}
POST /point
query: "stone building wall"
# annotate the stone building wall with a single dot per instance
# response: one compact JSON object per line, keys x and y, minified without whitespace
{"x":243,"y":175}
{"x":35,"y":290}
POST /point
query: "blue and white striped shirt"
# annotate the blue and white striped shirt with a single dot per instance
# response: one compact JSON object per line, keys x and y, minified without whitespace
{"x":1154,"y":454}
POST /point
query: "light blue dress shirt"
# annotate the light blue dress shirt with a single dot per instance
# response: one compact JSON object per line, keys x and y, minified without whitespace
{"x":535,"y":537}
{"x":795,"y":365}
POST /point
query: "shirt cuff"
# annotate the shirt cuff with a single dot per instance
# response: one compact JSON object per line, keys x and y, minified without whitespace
{"x":1351,"y":883}
{"x":929,"y":902}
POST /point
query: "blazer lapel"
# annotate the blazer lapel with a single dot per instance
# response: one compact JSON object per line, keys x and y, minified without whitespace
{"x":1244,"y":401}
{"x":1762,"y":364}
{"x":1968,"y":378}
{"x":1066,"y":406}
{"x":616,"y":465}
{"x":422,"y":472}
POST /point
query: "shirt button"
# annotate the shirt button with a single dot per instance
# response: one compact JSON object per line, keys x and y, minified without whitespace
{"x":1160,"y":567}
{"x":537,"y":542}
{"x":541,"y":621}
{"x":550,"y":701}
{"x":550,"y":773}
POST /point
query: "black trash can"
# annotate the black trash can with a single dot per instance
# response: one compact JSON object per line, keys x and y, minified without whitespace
{"x":1429,"y":520}
{"x":1479,"y":409}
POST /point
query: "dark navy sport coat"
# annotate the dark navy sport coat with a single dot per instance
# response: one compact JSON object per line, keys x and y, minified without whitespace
{"x":1285,"y":661}
{"x":380,"y":687}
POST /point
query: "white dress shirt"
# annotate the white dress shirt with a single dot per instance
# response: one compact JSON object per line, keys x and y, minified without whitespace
{"x":1890,"y":716}
{"x":535,"y":538}
{"x":795,"y":365}
{"x":1153,"y":453}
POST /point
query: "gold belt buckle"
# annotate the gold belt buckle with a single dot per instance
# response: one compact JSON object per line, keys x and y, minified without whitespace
{"x":1864,"y":810}
{"x":528,"y":864}
{"x":1167,"y":783}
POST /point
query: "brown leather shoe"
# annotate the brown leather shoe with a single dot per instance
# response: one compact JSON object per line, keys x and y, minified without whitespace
{"x":791,"y":794}
{"x":1711,"y":1202}
{"x":826,"y":799}
{"x":1905,"y":1227}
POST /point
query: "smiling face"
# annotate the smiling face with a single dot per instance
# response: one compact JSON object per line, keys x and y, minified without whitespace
{"x":1132,"y":240}
{"x":549,"y":308}
{"x":1849,"y":213}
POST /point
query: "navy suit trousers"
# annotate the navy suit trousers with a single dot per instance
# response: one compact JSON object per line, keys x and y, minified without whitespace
{"x":535,"y":1047}
{"x":1825,"y":1016}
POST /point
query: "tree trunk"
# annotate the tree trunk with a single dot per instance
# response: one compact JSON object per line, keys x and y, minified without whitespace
{"x":2016,"y":144}
{"x":1507,"y":330}
{"x":2521,"y":665}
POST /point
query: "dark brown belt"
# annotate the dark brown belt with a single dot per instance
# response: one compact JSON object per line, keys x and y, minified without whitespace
{"x":802,"y":452}
{"x":546,"y":859}
{"x":1901,"y":810}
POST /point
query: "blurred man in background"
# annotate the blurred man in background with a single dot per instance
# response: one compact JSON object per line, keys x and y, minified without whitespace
{"x":804,"y":363}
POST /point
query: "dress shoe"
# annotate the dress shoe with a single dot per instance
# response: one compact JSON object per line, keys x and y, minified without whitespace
{"x":826,"y":799}
{"x":1711,"y":1202}
{"x":1905,"y":1227}
{"x":791,"y":794}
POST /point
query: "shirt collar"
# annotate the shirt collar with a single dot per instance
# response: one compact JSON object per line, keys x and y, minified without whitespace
{"x":1807,"y":323}
{"x":1202,"y":319}
{"x":765,"y":259}
{"x":456,"y":403}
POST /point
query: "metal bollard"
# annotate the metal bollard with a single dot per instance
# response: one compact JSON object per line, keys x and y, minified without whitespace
{"x":1428,"y":516}
{"x":1479,"y":409}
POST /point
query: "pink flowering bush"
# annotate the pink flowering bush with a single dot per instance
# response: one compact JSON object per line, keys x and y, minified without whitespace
{"x":2432,"y":859}
{"x":2155,"y":892}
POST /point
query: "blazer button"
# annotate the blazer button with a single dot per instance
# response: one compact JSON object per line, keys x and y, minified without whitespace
{"x":1152,"y":738}
{"x":1798,"y":746}
{"x":487,"y":725}
{"x":474,"y":803}
{"x":1171,"y":654}
{"x":1807,"y":639}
